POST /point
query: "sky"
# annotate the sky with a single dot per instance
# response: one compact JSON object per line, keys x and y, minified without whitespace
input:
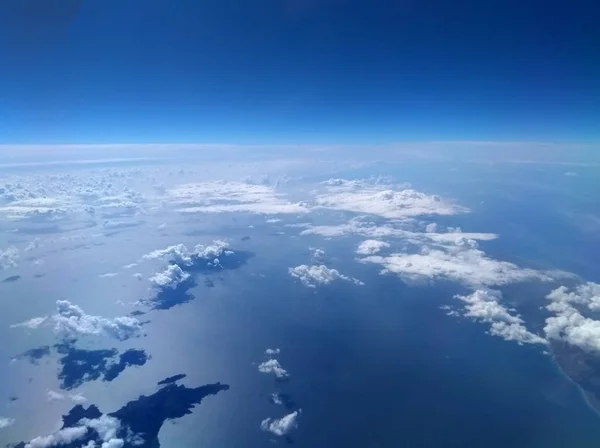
{"x":298,"y":71}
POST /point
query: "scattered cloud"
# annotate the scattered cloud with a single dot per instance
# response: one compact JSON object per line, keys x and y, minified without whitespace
{"x":223,"y":197}
{"x":386,"y":200}
{"x":371,"y":247}
{"x":170,"y":277}
{"x":273,"y":366}
{"x":61,"y":437}
{"x":402,"y":230}
{"x":314,"y":275}
{"x":272,"y":351}
{"x":571,"y":174}
{"x":9,"y":257}
{"x":6,"y":422}
{"x":181,"y":255}
{"x":71,"y":321}
{"x":463,"y":263}
{"x":281,"y":426}
{"x":568,"y":323}
{"x":108,"y":275}
{"x":58,"y":396}
{"x":484,"y":305}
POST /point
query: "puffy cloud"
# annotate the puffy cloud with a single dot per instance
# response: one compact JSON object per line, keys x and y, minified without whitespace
{"x":61,"y":437}
{"x":371,"y":247}
{"x":273,"y":366}
{"x":77,"y":398}
{"x":170,"y":277}
{"x":55,"y":396}
{"x":31,"y":323}
{"x":181,"y":255}
{"x":484,"y":305}
{"x":318,"y":255}
{"x":281,"y":426}
{"x":9,"y":257}
{"x":313,"y":275}
{"x":71,"y":321}
{"x":272,"y":351}
{"x":462,"y":263}
{"x":569,"y":324}
{"x":105,"y":427}
{"x":276,"y":399}
{"x":6,"y":422}
{"x":383,"y":200}
{"x":222,"y":197}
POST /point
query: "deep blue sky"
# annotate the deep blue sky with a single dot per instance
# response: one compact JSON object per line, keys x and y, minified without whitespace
{"x":270,"y":71}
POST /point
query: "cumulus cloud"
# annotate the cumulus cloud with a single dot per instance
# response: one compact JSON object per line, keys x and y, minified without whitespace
{"x":272,"y":351}
{"x":568,"y":323}
{"x":273,"y":366}
{"x":170,"y":277}
{"x":222,"y":197}
{"x":58,"y":396}
{"x":181,"y":255}
{"x":281,"y":426}
{"x":383,"y":200}
{"x":71,"y":321}
{"x":61,"y":437}
{"x":314,"y":275}
{"x":371,"y":247}
{"x":484,"y":305}
{"x":9,"y":257}
{"x":55,"y":396}
{"x":463,"y":263}
{"x":105,"y":427}
{"x":6,"y":422}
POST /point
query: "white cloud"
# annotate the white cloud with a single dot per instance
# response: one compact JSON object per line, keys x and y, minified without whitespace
{"x":77,"y":398}
{"x":62,"y":437}
{"x":281,"y":426}
{"x":72,"y":321}
{"x":138,"y":275}
{"x":431,"y":227}
{"x":569,"y":324}
{"x":108,"y":275}
{"x":314,"y":275}
{"x":399,"y":230}
{"x":55,"y":396}
{"x":171,"y":276}
{"x":371,"y":247}
{"x":180,"y":254}
{"x":276,"y":399}
{"x":383,"y":200}
{"x":273,"y":366}
{"x":318,"y":255}
{"x":484,"y":305}
{"x":31,"y":323}
{"x":272,"y":351}
{"x":9,"y":257}
{"x":105,"y":426}
{"x":222,"y":197}
{"x":273,"y":220}
{"x":6,"y":422}
{"x":571,"y":174}
{"x":463,"y":263}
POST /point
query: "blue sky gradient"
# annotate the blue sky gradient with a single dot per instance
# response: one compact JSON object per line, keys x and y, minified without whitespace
{"x":298,"y":71}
